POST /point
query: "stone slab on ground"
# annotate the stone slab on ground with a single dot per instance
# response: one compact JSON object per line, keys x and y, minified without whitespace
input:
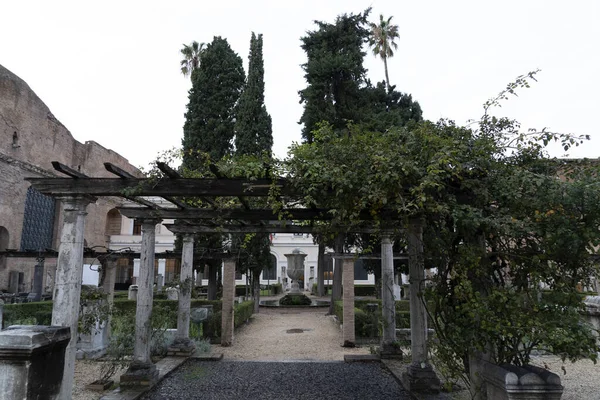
{"x":361,"y":358}
{"x":164,"y":366}
{"x":208,"y":356}
{"x":278,"y":380}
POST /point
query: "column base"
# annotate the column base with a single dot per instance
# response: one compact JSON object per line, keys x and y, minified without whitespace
{"x":140,"y":374}
{"x":181,"y":348}
{"x":390,"y":351}
{"x":421,"y":378}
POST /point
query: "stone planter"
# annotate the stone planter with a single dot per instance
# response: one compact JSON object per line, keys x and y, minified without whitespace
{"x":509,"y":382}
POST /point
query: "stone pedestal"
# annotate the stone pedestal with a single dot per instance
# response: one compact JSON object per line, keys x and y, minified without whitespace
{"x":32,"y":361}
{"x":132,"y":293}
{"x":140,"y":374}
{"x":421,"y":378}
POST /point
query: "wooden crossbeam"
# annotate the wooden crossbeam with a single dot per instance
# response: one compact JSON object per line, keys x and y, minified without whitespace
{"x":266,"y":228}
{"x":168,"y":171}
{"x":213,"y":168}
{"x":190,"y":187}
{"x":225,"y":214}
{"x":62,"y":168}
{"x":121,"y":173}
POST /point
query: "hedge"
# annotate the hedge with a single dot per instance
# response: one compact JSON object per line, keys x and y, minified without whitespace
{"x":365,"y":323}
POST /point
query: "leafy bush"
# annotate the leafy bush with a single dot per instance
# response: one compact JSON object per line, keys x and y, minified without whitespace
{"x":276,"y":288}
{"x":295,"y":300}
{"x":364,"y":319}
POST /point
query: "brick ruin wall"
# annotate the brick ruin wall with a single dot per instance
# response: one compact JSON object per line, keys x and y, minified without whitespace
{"x":30,"y":139}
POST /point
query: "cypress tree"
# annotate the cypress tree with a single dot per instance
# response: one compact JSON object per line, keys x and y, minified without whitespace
{"x":254,"y":137}
{"x":209,"y":126}
{"x":253,"y":129}
{"x":210,"y":118}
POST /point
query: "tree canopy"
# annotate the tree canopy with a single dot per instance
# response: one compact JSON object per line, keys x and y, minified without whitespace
{"x":210,"y":118}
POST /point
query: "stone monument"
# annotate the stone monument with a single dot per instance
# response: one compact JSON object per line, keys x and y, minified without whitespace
{"x":295,"y":269}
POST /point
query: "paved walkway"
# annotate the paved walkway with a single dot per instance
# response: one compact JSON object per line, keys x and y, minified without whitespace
{"x":284,"y":334}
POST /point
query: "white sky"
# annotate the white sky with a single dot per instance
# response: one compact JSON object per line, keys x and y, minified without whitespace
{"x":109,"y":70}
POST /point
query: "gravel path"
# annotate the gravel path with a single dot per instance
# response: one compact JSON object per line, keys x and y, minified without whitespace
{"x":278,"y":380}
{"x":315,"y":337}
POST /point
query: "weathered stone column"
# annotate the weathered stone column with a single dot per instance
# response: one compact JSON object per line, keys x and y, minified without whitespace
{"x":348,"y":331}
{"x":387,"y":297}
{"x":38,"y":279}
{"x":336,"y":287}
{"x":142,"y":371}
{"x":183,"y":345}
{"x":67,"y":286}
{"x":227,"y":302}
{"x":108,"y":287}
{"x":420,"y":376}
{"x":321,"y":270}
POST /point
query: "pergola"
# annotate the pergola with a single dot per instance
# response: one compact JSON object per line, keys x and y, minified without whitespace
{"x":78,"y":190}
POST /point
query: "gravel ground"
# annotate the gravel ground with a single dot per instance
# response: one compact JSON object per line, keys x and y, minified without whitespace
{"x":278,"y":380}
{"x":265,"y":338}
{"x":316,"y":337}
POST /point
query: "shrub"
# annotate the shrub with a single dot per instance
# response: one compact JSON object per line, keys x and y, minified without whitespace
{"x":295,"y":300}
{"x":276,"y":288}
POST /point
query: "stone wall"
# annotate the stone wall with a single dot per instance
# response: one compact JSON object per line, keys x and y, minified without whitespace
{"x":30,"y":139}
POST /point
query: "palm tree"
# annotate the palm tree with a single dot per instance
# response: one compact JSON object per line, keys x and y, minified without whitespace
{"x":382,"y":41}
{"x":191,"y":59}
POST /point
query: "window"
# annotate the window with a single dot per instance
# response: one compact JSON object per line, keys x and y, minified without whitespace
{"x":360,"y":273}
{"x":38,"y":221}
{"x":137,"y":227}
{"x":270,"y":273}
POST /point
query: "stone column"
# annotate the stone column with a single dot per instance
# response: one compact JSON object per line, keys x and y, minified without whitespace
{"x":67,"y":286}
{"x":38,"y":279}
{"x":142,"y":371}
{"x":348,"y":332}
{"x":321,"y":270}
{"x":183,"y":345}
{"x":108,"y":286}
{"x":387,"y":297}
{"x":227,"y":302}
{"x":420,"y":376}
{"x":136,"y":271}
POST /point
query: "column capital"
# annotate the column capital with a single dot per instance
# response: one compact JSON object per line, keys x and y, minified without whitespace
{"x":149,"y":221}
{"x":188,"y":237}
{"x":76,"y":203}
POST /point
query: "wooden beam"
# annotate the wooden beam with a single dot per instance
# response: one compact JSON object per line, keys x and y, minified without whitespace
{"x":226,"y":214}
{"x":213,"y":168}
{"x":62,"y":168}
{"x":190,"y":187}
{"x":118,"y":171}
{"x":267,"y":228}
{"x":168,"y":171}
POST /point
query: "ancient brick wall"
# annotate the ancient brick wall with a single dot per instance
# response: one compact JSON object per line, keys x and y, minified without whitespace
{"x":30,"y":139}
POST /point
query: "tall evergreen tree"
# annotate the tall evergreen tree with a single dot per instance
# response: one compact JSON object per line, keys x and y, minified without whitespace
{"x":254,"y":136}
{"x":216,"y":88}
{"x":253,"y":132}
{"x":209,"y":126}
{"x":334,"y":72}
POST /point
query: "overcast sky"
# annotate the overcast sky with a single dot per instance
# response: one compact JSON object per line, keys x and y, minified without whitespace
{"x":109,"y":70}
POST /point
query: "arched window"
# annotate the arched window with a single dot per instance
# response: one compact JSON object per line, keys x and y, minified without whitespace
{"x":270,"y":273}
{"x":113,"y":222}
